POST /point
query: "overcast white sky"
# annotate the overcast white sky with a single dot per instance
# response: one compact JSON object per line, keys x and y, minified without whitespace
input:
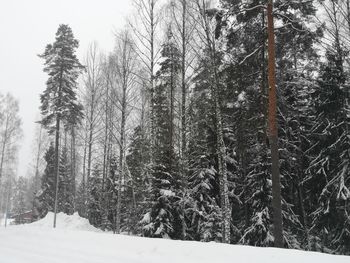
{"x":26,"y":26}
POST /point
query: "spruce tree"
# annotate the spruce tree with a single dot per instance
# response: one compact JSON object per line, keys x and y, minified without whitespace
{"x":45,"y":197}
{"x":137,"y":160}
{"x":163,"y":219}
{"x":328,"y":171}
{"x":203,"y":214}
{"x":66,"y":185}
{"x":94,"y":208}
{"x":109,"y":222}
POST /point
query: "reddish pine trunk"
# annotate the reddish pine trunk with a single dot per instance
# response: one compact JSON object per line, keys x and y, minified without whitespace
{"x":273,"y":134}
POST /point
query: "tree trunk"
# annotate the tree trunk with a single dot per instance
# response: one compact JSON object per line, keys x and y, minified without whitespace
{"x":89,"y":150}
{"x":7,"y":202}
{"x":133,"y":216}
{"x":121,"y":156}
{"x":273,"y":133}
{"x":122,"y":129}
{"x":264,"y":89}
{"x":183,"y":114}
{"x":73,"y":162}
{"x":348,"y":14}
{"x":84,"y":197}
{"x":220,"y":144}
{"x":172,"y":88}
{"x":152,"y":62}
{"x":221,"y":151}
{"x":37,"y":160}
{"x":3,"y":148}
{"x":57,"y":140}
{"x":105,"y":163}
{"x":105,"y":143}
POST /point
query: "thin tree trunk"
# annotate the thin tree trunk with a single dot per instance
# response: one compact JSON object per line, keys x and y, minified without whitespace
{"x":183,"y":83}
{"x":73,"y":162}
{"x":89,"y":149}
{"x":105,"y":163}
{"x":348,"y":14}
{"x":221,"y":151}
{"x":183,"y":114}
{"x":264,"y":89}
{"x":122,"y":129}
{"x":220,"y":147}
{"x":152,"y":62}
{"x":171,"y":137}
{"x":273,"y":133}
{"x":84,"y":181}
{"x":36,"y":176}
{"x":4,"y":147}
{"x":121,"y":156}
{"x":57,"y":149}
{"x":7,"y":202}
{"x":133,"y":219}
{"x":89,"y":157}
{"x":38,"y":159}
{"x":105,"y":143}
{"x":57,"y":140}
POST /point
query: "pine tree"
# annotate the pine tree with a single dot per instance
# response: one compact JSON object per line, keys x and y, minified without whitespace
{"x":59,"y":101}
{"x":246,"y":97}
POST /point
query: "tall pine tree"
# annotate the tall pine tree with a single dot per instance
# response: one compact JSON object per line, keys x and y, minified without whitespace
{"x":59,"y":100}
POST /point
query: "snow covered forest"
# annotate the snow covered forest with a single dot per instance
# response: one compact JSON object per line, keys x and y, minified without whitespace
{"x":223,"y":121}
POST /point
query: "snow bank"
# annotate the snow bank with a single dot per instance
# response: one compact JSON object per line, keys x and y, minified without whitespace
{"x":64,"y":221}
{"x":40,"y":243}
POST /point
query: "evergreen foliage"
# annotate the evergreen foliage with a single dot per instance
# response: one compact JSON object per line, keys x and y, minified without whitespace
{"x":44,"y":200}
{"x":63,"y":68}
{"x":216,"y":184}
{"x":65,"y":186}
{"x":328,"y":171}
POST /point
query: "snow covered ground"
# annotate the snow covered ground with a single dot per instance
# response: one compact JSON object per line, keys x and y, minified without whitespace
{"x":2,"y":222}
{"x":75,"y":241}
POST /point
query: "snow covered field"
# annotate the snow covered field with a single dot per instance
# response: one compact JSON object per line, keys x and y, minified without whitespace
{"x":75,"y":241}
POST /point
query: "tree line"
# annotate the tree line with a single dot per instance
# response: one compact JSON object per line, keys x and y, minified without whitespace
{"x":168,"y":135}
{"x":10,"y":133}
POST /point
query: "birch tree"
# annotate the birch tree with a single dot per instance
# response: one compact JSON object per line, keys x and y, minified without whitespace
{"x":206,"y":34}
{"x":147,"y":48}
{"x":10,"y":127}
{"x":92,"y":98}
{"x":126,"y":66}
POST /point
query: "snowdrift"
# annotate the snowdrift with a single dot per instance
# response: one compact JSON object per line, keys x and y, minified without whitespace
{"x":64,"y":221}
{"x":76,"y":241}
